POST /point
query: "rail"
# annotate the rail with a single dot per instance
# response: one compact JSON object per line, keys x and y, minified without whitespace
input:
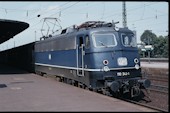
{"x":159,"y":88}
{"x":144,"y":104}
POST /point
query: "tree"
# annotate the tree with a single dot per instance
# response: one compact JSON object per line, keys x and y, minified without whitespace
{"x":147,"y":37}
{"x":160,"y":44}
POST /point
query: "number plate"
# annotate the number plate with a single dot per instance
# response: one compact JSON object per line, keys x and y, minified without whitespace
{"x":123,"y":73}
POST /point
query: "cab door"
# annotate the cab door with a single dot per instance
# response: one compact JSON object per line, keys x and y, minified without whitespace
{"x":80,"y":52}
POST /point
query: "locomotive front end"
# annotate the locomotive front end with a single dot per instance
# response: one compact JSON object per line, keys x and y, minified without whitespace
{"x":116,"y":54}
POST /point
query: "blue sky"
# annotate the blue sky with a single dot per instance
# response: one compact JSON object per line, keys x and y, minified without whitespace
{"x":140,"y":16}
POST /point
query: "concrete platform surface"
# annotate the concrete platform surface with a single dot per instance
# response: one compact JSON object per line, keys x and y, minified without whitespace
{"x":164,"y":65}
{"x":30,"y":92}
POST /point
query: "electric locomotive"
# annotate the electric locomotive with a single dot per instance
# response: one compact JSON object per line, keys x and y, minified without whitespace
{"x":94,"y":54}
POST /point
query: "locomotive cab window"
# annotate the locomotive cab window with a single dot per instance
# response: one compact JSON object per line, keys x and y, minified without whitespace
{"x":104,"y":40}
{"x":87,"y":43}
{"x":128,"y":40}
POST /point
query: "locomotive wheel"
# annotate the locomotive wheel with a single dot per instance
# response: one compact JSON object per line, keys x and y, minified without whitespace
{"x":93,"y":89}
{"x":72,"y":82}
{"x":83,"y":86}
{"x":106,"y":91}
{"x":69,"y":81}
{"x":86,"y":88}
{"x":62,"y":79}
{"x":116,"y":94}
{"x":76,"y":83}
{"x":80,"y":85}
{"x":44,"y":75}
{"x":37,"y":72}
{"x":58,"y":79}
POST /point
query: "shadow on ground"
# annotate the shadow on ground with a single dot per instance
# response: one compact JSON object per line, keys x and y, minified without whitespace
{"x":4,"y":69}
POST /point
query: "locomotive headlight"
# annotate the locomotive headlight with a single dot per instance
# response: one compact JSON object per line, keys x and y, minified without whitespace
{"x":136,"y":60}
{"x":137,"y":66}
{"x":105,"y":62}
{"x":106,"y":68}
{"x":122,"y":61}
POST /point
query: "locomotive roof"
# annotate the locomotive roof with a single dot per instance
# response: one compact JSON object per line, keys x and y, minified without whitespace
{"x":89,"y":28}
{"x":104,"y":29}
{"x":94,"y":26}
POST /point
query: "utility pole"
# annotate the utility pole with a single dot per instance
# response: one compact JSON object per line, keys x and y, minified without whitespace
{"x":124,"y":14}
{"x":149,"y":50}
{"x":149,"y":54}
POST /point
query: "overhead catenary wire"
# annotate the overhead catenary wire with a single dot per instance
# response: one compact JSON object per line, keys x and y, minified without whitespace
{"x":119,"y":13}
{"x":64,"y":8}
{"x":60,"y":11}
{"x":40,"y":14}
{"x":103,"y":13}
{"x":133,"y":9}
{"x":54,"y":8}
{"x":57,"y":12}
{"x":43,"y":14}
{"x":79,"y":10}
{"x":129,"y":10}
{"x":151,"y":17}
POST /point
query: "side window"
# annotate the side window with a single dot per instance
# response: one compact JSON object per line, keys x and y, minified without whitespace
{"x":87,"y":43}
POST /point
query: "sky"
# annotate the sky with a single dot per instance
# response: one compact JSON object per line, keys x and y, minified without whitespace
{"x":140,"y":16}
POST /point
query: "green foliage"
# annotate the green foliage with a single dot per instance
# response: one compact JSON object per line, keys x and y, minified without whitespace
{"x":160,"y":44}
{"x":148,"y":37}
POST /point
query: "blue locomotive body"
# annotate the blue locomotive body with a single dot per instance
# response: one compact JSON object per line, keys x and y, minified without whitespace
{"x":96,"y":57}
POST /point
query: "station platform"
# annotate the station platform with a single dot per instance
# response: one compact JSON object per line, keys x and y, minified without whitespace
{"x":155,"y":68}
{"x":164,"y":65}
{"x":31,"y":92}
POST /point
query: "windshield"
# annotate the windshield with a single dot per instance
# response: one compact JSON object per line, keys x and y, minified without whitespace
{"x":104,"y":40}
{"x":128,"y":40}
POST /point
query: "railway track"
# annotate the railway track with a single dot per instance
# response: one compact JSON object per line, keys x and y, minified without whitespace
{"x":158,"y":92}
{"x":159,"y":83}
{"x":145,"y":102}
{"x":145,"y":105}
{"x":159,"y":88}
{"x":158,"y":78}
